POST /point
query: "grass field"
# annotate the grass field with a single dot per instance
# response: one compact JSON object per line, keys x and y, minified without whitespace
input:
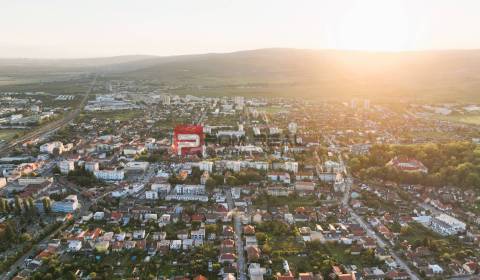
{"x":8,"y":134}
{"x":468,"y":119}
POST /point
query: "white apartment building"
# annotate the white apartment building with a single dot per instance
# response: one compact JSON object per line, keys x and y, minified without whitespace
{"x":91,"y":166}
{"x":151,"y":195}
{"x":447,"y":225}
{"x":204,"y":165}
{"x":137,"y":166}
{"x":68,"y":205}
{"x":190,"y":189}
{"x":50,"y":147}
{"x":291,"y":166}
{"x":161,"y":188}
{"x":66,"y":166}
{"x":109,"y":175}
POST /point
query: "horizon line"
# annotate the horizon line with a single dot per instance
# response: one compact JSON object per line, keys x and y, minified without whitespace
{"x":243,"y":50}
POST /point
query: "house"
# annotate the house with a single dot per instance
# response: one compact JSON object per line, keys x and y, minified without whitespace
{"x":102,"y":246}
{"x":278,"y":191}
{"x":257,"y":218}
{"x":228,"y":243}
{"x":470,"y":267}
{"x":197,"y":218}
{"x":256,"y":272}
{"x":434,"y":269}
{"x":228,"y":231}
{"x":304,"y":187}
{"x":120,"y":236}
{"x":200,"y":277}
{"x":98,"y":216}
{"x":139,"y":234}
{"x":309,"y":276}
{"x":176,"y":245}
{"x":407,"y":165}
{"x":187,"y":244}
{"x":249,"y":230}
{"x":250,"y":240}
{"x":74,"y":245}
{"x":373,"y":273}
{"x":198,"y":234}
{"x":93,"y":234}
{"x":227,"y":258}
{"x":368,"y":243}
{"x":253,"y":253}
{"x":283,"y":177}
{"x":397,"y":275}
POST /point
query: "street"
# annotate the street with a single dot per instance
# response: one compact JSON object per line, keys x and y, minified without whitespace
{"x":368,"y":229}
{"x":237,"y":223}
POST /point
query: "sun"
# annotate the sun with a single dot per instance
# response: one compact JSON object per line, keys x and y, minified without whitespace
{"x":374,"y":25}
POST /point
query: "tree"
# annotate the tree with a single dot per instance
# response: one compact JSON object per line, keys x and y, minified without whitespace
{"x":18,"y":204}
{"x":267,"y":249}
{"x":25,"y":237}
{"x":3,"y":205}
{"x":472,"y":180}
{"x":31,"y":204}
{"x":261,"y":237}
{"x":10,"y":232}
{"x":56,"y":170}
{"x":210,"y":184}
{"x":47,"y":204}
{"x":232,"y":181}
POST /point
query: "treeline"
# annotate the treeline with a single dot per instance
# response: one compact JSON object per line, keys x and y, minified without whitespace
{"x":82,"y":177}
{"x":21,"y":205}
{"x":452,"y":164}
{"x":243,"y":177}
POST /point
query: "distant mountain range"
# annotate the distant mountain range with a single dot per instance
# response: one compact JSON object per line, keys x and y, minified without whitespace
{"x":444,"y":75}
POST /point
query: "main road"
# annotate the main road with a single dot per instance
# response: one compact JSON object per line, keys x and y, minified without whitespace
{"x":237,"y":223}
{"x":358,"y":219}
{"x":52,"y":126}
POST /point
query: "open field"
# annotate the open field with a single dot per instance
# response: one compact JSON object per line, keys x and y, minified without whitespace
{"x":8,"y":134}
{"x":469,"y":119}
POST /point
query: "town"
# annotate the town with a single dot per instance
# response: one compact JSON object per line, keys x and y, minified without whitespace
{"x":146,"y":184}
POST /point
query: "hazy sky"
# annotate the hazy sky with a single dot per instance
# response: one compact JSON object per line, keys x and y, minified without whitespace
{"x":85,"y":28}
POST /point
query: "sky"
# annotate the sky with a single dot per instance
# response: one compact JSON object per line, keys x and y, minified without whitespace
{"x":93,"y":28}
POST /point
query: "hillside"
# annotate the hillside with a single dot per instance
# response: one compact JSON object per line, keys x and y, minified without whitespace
{"x":441,"y":75}
{"x":445,"y":75}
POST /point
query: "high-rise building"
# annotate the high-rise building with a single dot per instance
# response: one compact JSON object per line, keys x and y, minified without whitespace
{"x":166,"y":99}
{"x":366,"y":104}
{"x":292,"y":128}
{"x":353,"y":103}
{"x":239,"y":100}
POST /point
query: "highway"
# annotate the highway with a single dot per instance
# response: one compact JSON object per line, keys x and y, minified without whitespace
{"x":52,"y":126}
